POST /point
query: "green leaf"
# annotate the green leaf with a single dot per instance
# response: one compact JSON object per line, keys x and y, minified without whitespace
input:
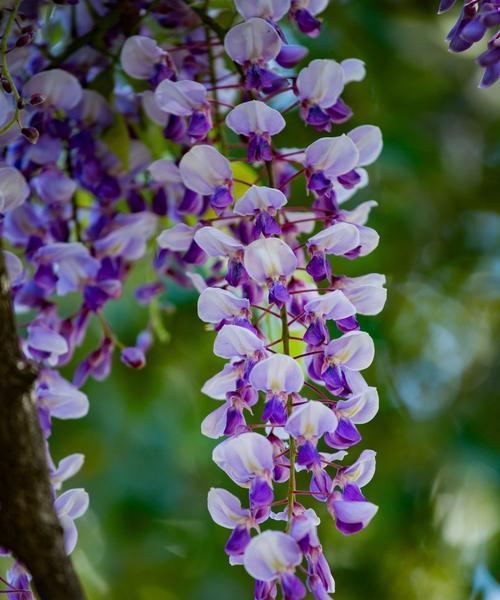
{"x":117,"y":139}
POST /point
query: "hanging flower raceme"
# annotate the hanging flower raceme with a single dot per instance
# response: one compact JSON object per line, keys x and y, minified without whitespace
{"x":475,"y":19}
{"x":224,"y":202}
{"x":261,"y":257}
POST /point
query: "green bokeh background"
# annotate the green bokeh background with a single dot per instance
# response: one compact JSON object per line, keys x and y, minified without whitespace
{"x":148,"y":536}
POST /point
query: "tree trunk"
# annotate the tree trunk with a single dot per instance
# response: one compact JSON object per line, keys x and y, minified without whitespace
{"x":29,"y":526}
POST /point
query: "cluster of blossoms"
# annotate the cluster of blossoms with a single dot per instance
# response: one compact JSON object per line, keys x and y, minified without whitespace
{"x":476,"y":18}
{"x":78,"y":209}
{"x":291,"y":393}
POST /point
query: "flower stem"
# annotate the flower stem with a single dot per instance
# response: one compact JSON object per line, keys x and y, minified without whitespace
{"x":291,"y":482}
{"x":216,"y":103}
{"x":5,"y":67}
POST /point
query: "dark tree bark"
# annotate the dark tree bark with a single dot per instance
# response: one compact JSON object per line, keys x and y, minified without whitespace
{"x":29,"y":526}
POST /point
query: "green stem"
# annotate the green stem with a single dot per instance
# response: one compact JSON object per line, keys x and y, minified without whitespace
{"x":5,"y":67}
{"x":215,"y":94}
{"x":291,"y":482}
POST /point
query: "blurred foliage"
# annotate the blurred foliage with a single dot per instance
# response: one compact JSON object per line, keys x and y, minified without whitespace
{"x":436,"y":537}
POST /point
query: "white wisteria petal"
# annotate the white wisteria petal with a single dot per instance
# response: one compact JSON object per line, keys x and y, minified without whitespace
{"x":60,"y":88}
{"x":180,"y":98}
{"x":217,"y":243}
{"x":268,"y":258}
{"x":368,"y":140}
{"x":255,"y":116}
{"x":254,"y":41}
{"x":321,"y":82}
{"x":354,"y":70}
{"x":260,"y":198}
{"x":203,"y":169}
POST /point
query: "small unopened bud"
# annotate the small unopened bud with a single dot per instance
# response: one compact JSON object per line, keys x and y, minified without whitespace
{"x":28,"y":29}
{"x":37,"y":99}
{"x":6,"y":85}
{"x":31,"y":134}
{"x":24,"y":40}
{"x":21,"y":103}
{"x":133,"y":357}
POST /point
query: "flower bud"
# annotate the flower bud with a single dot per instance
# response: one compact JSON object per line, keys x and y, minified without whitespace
{"x":6,"y":85}
{"x":31,"y":134}
{"x":36,"y":99}
{"x":24,"y":40}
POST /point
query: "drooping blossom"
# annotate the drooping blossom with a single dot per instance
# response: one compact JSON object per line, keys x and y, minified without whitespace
{"x":253,"y":44}
{"x":140,"y":56}
{"x":258,"y":122}
{"x":271,"y":557}
{"x":278,"y":376}
{"x":271,"y":261}
{"x":204,"y":170}
{"x":186,"y":99}
{"x":101,"y":183}
{"x":304,"y":14}
{"x":70,"y":506}
{"x":474,"y":21}
{"x":262,"y":202}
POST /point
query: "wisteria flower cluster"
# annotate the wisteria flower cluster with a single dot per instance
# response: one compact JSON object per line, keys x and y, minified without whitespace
{"x":84,"y":196}
{"x":477,"y":17}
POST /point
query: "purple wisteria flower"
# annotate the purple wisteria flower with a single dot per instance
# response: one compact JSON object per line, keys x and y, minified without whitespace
{"x":304,"y":14}
{"x":205,"y":171}
{"x":263,"y":203}
{"x":253,"y":44}
{"x":330,"y":306}
{"x":186,"y":99}
{"x":80,"y":207}
{"x":475,"y":19}
{"x":70,"y":506}
{"x":258,"y":122}
{"x":271,"y":557}
{"x":278,"y":376}
{"x":271,"y":261}
{"x":351,"y":510}
{"x":216,"y":305}
{"x":140,"y":56}
{"x":248,"y":460}
{"x":319,"y":87}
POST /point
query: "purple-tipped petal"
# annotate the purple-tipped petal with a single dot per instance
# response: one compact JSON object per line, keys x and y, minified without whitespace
{"x":203,"y":169}
{"x":244,"y":457}
{"x":320,"y":83}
